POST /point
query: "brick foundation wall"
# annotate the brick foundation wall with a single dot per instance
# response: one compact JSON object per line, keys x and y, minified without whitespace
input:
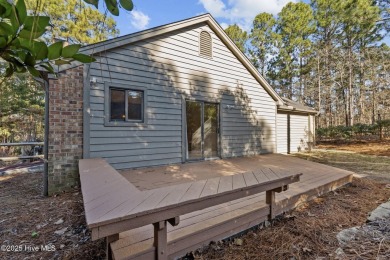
{"x":65,"y":129}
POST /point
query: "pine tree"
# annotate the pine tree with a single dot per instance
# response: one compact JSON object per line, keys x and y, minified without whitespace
{"x":295,"y":25}
{"x":73,"y":21}
{"x":263,"y":39}
{"x":238,"y":36}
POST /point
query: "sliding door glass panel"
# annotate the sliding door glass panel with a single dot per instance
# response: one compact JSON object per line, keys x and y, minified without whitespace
{"x":194,"y":129}
{"x":210,"y":130}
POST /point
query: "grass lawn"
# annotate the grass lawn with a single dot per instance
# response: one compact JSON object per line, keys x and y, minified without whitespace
{"x":372,"y":166}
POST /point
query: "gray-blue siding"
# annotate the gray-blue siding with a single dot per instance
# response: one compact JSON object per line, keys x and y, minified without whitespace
{"x":170,"y":68}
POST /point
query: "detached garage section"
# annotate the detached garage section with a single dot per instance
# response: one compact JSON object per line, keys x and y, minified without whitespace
{"x":295,"y":127}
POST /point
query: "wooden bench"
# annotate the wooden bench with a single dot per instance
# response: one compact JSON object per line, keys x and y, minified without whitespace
{"x":114,"y":205}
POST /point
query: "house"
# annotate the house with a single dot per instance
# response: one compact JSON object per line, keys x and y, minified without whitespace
{"x":172,"y":94}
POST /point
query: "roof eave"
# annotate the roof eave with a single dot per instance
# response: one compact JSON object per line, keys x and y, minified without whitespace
{"x":296,"y":110}
{"x":206,"y":18}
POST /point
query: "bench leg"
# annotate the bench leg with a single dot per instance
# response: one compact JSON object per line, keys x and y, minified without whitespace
{"x":109,"y":240}
{"x":270,"y":200}
{"x":160,"y":240}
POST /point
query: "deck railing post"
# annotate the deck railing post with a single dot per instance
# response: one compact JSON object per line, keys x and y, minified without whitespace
{"x":160,"y":237}
{"x":109,"y":240}
{"x":270,"y":200}
{"x":160,"y":240}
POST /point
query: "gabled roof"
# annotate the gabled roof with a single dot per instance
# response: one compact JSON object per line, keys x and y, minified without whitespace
{"x":206,"y":18}
{"x":293,"y":106}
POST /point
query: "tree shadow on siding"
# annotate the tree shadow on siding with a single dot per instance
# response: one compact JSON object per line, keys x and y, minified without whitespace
{"x":140,"y":145}
{"x":243,"y":130}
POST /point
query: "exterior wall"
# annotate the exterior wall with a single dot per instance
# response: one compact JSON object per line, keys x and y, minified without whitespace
{"x":299,"y":133}
{"x":282,"y":133}
{"x":170,"y":68}
{"x":301,"y":128}
{"x":65,"y":129}
{"x":312,"y":128}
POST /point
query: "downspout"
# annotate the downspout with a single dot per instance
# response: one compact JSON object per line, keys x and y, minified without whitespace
{"x":45,"y":84}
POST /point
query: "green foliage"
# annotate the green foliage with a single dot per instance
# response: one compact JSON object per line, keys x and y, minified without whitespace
{"x":20,"y":45}
{"x":22,"y":108}
{"x":237,"y":35}
{"x":384,"y":123}
{"x":295,"y":25}
{"x":113,"y":5}
{"x":74,"y":21}
{"x":263,"y":39}
{"x":28,"y":34}
{"x":127,"y":4}
{"x":327,"y":55}
{"x":23,"y":26}
{"x":352,"y":132}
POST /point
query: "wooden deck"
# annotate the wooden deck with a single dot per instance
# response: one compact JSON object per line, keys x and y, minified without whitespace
{"x":221,"y":221}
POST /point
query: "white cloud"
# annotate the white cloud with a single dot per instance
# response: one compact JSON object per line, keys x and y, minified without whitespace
{"x":224,"y":25}
{"x":215,"y":7}
{"x":139,"y":20}
{"x":242,"y":12}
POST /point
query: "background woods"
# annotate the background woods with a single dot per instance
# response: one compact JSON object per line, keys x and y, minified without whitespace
{"x":328,"y":54}
{"x":22,"y":109}
{"x":73,"y":21}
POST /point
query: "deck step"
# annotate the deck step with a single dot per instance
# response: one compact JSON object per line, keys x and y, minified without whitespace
{"x":194,"y":229}
{"x":221,"y":221}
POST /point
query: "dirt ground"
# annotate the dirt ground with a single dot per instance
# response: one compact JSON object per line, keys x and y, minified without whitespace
{"x":309,"y":232}
{"x":29,"y":220}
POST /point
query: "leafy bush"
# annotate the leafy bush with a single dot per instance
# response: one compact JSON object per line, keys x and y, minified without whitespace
{"x":356,"y":131}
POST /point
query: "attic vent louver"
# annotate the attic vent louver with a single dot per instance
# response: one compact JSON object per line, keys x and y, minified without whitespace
{"x":205,"y":44}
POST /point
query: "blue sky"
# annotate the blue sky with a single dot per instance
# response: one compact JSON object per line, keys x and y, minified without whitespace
{"x":151,"y":13}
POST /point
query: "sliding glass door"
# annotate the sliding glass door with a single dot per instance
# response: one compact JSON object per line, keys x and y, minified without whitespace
{"x":202,"y":130}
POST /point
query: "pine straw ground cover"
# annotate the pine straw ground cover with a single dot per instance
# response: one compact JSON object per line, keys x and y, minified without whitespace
{"x":28,"y":219}
{"x":373,"y":167}
{"x":309,"y":232}
{"x":370,"y":147}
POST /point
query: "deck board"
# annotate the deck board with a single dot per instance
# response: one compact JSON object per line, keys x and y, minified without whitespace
{"x":211,"y":187}
{"x":226,"y":219}
{"x":175,"y":195}
{"x":260,"y":176}
{"x":270,"y":174}
{"x":225,"y":184}
{"x":238,"y":181}
{"x":250,"y":178}
{"x":194,"y":191}
{"x":129,"y":204}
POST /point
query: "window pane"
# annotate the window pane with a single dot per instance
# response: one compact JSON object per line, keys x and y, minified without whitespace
{"x":135,"y":105}
{"x":117,"y":105}
{"x":194,"y":129}
{"x":210,"y":126}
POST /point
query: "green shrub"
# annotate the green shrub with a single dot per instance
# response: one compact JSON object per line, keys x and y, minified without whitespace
{"x":341,"y":132}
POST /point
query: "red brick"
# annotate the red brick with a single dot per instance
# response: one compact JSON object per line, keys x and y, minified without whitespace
{"x":65,"y":127}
